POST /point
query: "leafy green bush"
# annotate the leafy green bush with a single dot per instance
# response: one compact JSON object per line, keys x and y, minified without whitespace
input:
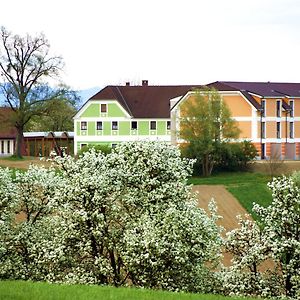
{"x":236,"y":156}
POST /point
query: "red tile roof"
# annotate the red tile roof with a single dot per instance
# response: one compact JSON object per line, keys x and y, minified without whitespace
{"x":144,"y":101}
{"x":7,"y":129}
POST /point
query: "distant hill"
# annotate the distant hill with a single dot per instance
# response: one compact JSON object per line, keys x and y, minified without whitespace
{"x":2,"y":99}
{"x":86,"y":94}
{"x":83,"y":94}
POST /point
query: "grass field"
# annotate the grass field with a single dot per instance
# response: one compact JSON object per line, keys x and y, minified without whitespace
{"x":21,"y":290}
{"x":246,"y":187}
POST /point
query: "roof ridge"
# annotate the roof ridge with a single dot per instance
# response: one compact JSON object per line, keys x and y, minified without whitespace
{"x":123,"y":99}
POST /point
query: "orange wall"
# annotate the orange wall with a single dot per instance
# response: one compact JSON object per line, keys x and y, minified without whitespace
{"x":238,"y":106}
{"x":245,"y":127}
{"x":270,"y":107}
{"x":297,"y":107}
{"x":270,"y":129}
{"x":297,"y":129}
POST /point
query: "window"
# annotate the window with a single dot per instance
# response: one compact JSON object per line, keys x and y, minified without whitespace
{"x":82,"y":145}
{"x":278,"y":108}
{"x":133,"y":125}
{"x":153,"y":125}
{"x":8,"y":146}
{"x":2,"y":146}
{"x":99,"y":125}
{"x":292,"y":108}
{"x":291,"y":130}
{"x":103,"y":108}
{"x":263,"y":107}
{"x":278,"y":130}
{"x":83,"y":125}
{"x":168,"y":125}
{"x":113,"y":146}
{"x":263,"y":130}
{"x":114,"y":125}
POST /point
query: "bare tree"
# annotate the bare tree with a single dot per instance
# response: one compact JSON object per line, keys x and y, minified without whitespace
{"x":26,"y":67}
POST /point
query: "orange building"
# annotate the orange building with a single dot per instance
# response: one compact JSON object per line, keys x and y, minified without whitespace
{"x":268,"y":114}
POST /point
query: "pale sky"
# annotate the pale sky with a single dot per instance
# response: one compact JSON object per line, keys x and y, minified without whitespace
{"x":165,"y":41}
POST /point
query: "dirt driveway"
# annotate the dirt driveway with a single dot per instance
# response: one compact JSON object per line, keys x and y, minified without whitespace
{"x":228,"y":208}
{"x":23,"y":164}
{"x":228,"y":205}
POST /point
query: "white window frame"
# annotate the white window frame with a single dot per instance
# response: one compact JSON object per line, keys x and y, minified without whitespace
{"x":136,"y":125}
{"x":112,"y":126}
{"x":86,"y":124}
{"x":263,"y":105}
{"x":292,"y":104}
{"x":153,"y":122}
{"x":292,"y":132}
{"x":278,"y":110}
{"x":278,"y":132}
{"x":106,"y":108}
{"x":263,"y":130}
{"x":168,"y":123}
{"x":97,"y":125}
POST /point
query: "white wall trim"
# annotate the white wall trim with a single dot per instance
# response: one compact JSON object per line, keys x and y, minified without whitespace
{"x":122,"y":138}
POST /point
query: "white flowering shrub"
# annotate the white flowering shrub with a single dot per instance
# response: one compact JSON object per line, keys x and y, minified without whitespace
{"x":282,"y":230}
{"x":132,"y":218}
{"x":277,"y":239}
{"x":249,"y":249}
{"x":171,"y":249}
{"x":30,"y":238}
{"x":120,"y":218}
{"x":7,"y":208}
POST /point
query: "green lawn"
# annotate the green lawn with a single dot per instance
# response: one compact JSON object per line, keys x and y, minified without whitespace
{"x":21,"y":290}
{"x":246,"y":187}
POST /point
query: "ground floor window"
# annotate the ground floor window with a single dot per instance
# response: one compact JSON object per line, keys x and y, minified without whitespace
{"x":168,"y":125}
{"x":114,"y":125}
{"x":134,"y":125}
{"x":99,"y":125}
{"x":153,"y":125}
{"x":263,"y":130}
{"x":278,"y":130}
{"x":291,"y":130}
{"x":8,"y":146}
{"x":82,"y":145}
{"x":2,"y":147}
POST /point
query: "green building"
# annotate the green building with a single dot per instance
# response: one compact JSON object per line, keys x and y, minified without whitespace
{"x":126,"y":113}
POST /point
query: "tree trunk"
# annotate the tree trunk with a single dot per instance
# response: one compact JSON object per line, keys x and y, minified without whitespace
{"x":20,"y":141}
{"x":207,"y":165}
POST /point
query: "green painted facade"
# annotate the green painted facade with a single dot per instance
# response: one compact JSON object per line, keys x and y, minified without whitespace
{"x":86,"y":131}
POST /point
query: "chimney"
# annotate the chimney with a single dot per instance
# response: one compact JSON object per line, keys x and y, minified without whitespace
{"x":127,"y":83}
{"x":144,"y":82}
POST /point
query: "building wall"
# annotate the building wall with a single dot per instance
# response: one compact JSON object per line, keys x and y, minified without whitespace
{"x":91,"y":114}
{"x":249,"y":121}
